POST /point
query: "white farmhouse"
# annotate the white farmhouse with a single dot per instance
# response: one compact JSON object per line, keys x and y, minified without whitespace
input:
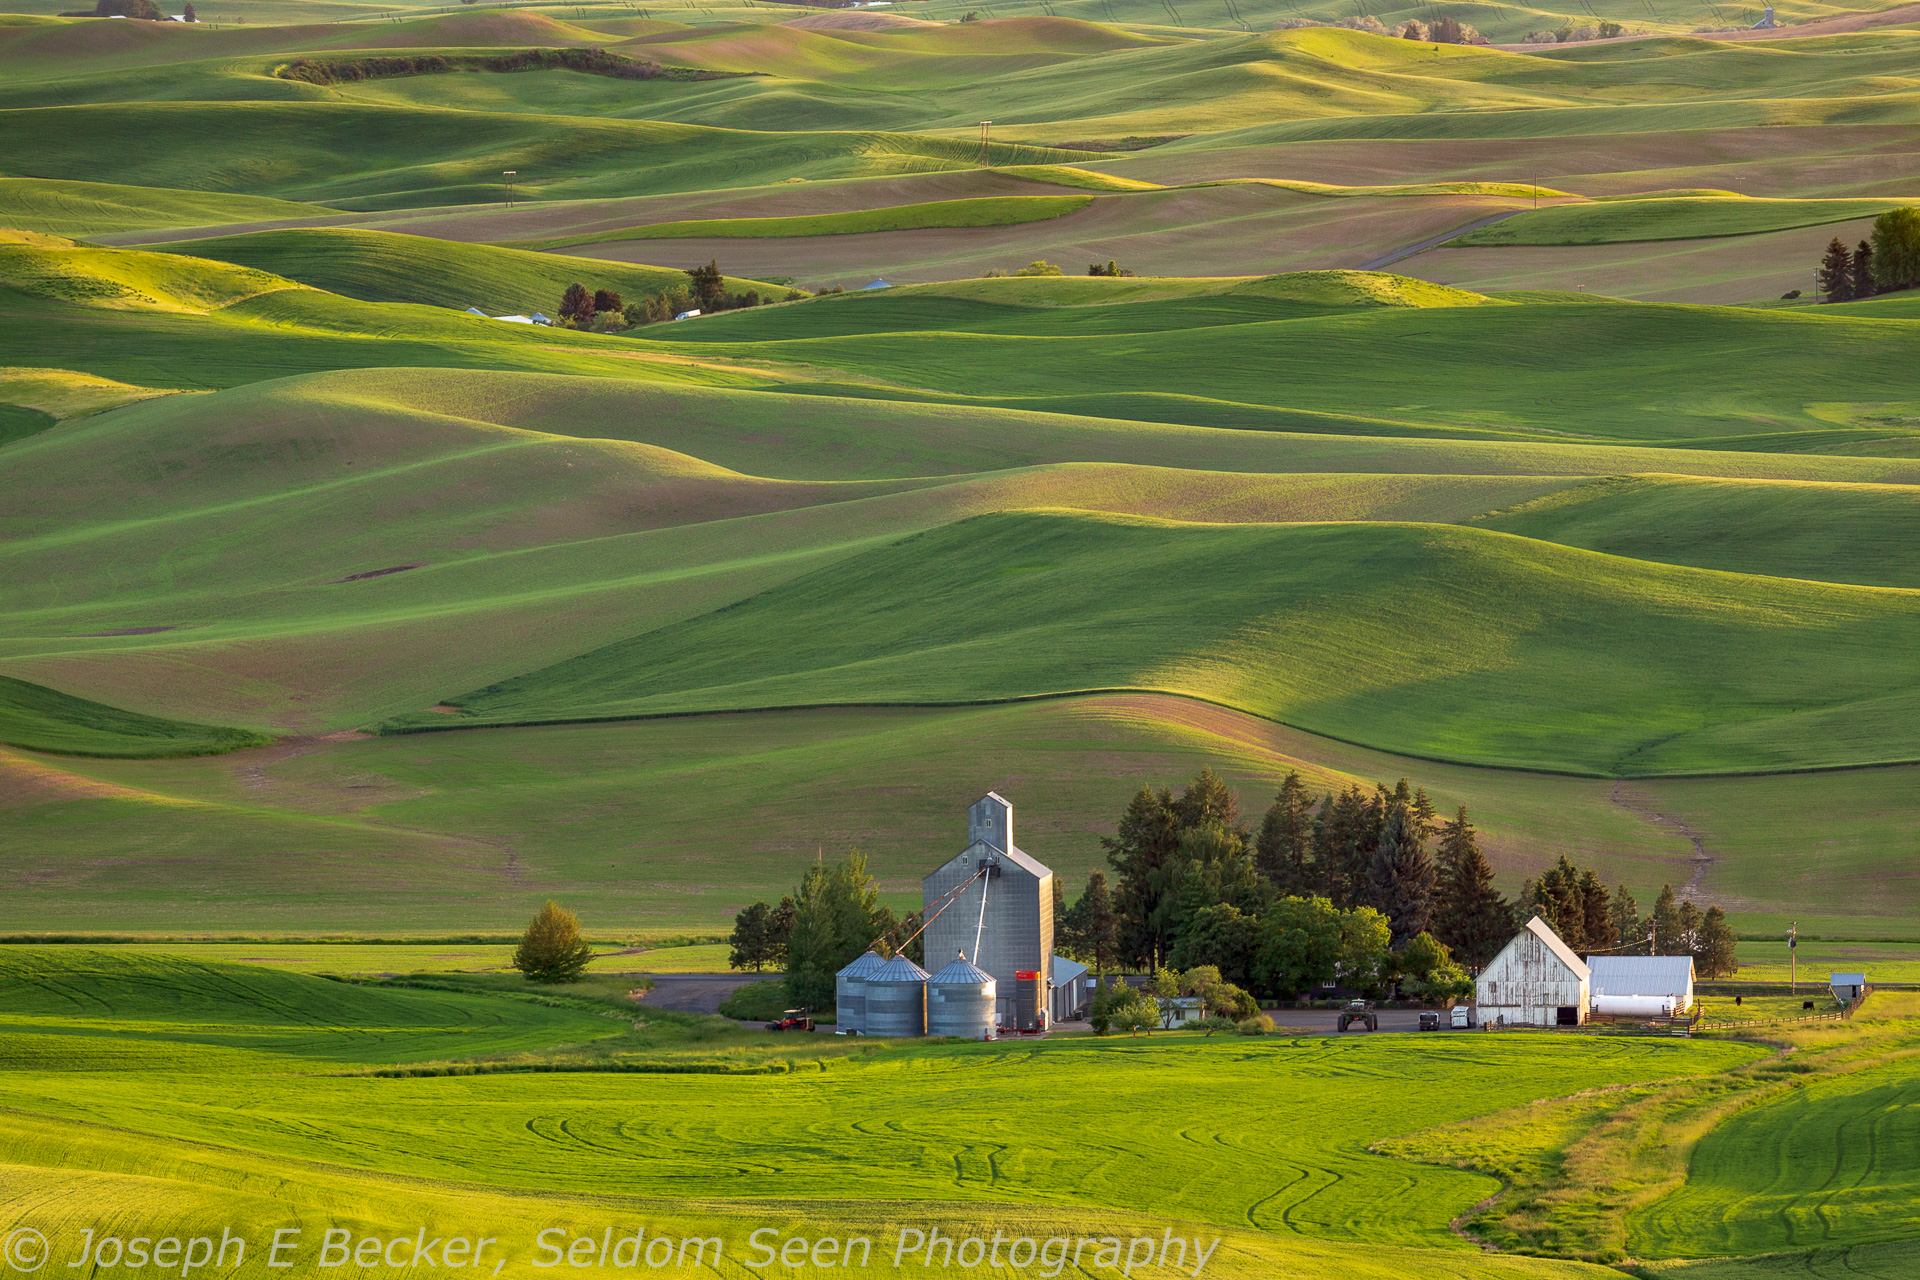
{"x":1535,"y":981}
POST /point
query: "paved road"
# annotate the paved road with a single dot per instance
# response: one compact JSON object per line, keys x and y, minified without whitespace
{"x":1407,"y":251}
{"x":697,"y":992}
{"x":1328,"y":1020}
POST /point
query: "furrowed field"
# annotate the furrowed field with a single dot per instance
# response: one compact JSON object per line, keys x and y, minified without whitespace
{"x":1365,"y":402}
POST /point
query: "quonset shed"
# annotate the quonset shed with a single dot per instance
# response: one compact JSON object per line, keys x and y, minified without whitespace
{"x":1016,"y":933}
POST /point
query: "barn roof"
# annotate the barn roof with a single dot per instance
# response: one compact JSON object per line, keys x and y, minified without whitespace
{"x":1641,"y":975}
{"x":1544,"y":931}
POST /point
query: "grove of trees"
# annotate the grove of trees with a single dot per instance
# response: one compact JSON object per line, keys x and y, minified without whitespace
{"x":1369,"y":888}
{"x":826,"y":923}
{"x":1888,"y":260}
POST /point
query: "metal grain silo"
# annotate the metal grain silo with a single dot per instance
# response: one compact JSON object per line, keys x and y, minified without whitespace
{"x":850,"y":993}
{"x":961,"y":1002}
{"x":896,"y":999}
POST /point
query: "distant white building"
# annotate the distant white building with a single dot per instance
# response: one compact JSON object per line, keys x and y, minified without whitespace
{"x":1535,"y":981}
{"x":1847,"y":987}
{"x":516,"y":319}
{"x":1635,"y":984}
{"x":687,"y":315}
{"x":876,"y":283}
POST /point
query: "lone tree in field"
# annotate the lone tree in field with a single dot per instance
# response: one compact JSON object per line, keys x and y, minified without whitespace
{"x":1836,"y":272}
{"x":551,"y":950}
{"x":188,"y":15}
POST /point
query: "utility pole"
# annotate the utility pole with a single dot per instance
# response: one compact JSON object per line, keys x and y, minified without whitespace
{"x":1793,"y":958}
{"x":985,"y":126}
{"x":508,"y":174}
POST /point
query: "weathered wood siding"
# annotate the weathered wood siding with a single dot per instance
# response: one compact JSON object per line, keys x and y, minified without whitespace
{"x":1528,"y":984}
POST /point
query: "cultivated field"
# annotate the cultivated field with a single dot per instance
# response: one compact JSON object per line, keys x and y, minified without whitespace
{"x":1253,"y":393}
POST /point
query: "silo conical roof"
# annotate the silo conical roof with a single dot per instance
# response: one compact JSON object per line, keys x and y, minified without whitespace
{"x":898,"y":969}
{"x":959,"y":973}
{"x":861,"y":966}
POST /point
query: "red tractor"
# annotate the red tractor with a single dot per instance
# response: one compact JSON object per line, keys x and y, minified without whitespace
{"x":793,"y":1020}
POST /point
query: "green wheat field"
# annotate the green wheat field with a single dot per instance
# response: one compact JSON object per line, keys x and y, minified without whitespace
{"x":1462,"y":412}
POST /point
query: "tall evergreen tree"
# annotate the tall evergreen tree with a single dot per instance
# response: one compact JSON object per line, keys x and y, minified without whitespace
{"x":1835,"y":277}
{"x":1860,"y":282}
{"x":1207,"y":799}
{"x":1627,"y":926}
{"x":1099,"y":926}
{"x":1472,"y":919}
{"x":748,"y":945}
{"x":1284,"y":849}
{"x":1558,"y":899}
{"x":1147,"y":839}
{"x":1718,"y":955}
{"x":1596,"y":913}
{"x":1689,"y":930}
{"x":1402,"y":877}
{"x":1666,"y":924}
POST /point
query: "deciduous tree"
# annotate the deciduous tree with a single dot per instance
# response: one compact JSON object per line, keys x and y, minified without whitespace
{"x":749,"y":945}
{"x":576,"y":305}
{"x":1896,"y":248}
{"x":552,"y":950}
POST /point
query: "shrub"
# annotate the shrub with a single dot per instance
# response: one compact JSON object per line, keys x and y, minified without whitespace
{"x":1213,"y":1022}
{"x":1366,"y":22}
{"x":552,"y":950}
{"x":1255,"y":1026}
{"x":1412,"y":29}
{"x":1038,"y":268}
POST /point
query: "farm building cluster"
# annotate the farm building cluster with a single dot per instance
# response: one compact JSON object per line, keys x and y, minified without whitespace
{"x":989,"y":942}
{"x":989,"y":939}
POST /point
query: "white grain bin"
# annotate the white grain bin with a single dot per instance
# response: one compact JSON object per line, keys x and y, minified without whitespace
{"x":850,"y":993}
{"x":1634,"y":1006}
{"x":896,"y":999}
{"x":961,"y":1001}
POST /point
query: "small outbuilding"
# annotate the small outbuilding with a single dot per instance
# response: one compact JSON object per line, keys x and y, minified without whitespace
{"x":1635,"y":985}
{"x":875,"y":283}
{"x":1847,"y":987}
{"x":1071,"y":989}
{"x":689,"y":315}
{"x":1535,"y":981}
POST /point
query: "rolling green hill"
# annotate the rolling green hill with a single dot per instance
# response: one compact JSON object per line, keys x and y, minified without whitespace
{"x":1826,"y":533}
{"x":90,"y":208}
{"x":47,"y":720}
{"x":1430,"y":641}
{"x":994,"y":211}
{"x":1615,"y":222}
{"x":379,"y":266}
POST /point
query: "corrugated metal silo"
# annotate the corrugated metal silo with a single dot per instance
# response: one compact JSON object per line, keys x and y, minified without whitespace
{"x":896,"y":1003}
{"x":850,"y":993}
{"x":961,"y":1001}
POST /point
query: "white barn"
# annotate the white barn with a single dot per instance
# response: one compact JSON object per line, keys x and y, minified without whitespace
{"x":1626,"y":984}
{"x":1535,"y":981}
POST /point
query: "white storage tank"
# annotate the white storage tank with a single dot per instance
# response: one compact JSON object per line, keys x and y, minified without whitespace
{"x":1634,"y":1006}
{"x":896,"y":999}
{"x":961,"y":1001}
{"x":850,"y":993}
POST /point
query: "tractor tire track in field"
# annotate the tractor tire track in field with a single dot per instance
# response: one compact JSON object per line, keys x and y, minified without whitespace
{"x":1702,"y":860}
{"x":1433,"y":242}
